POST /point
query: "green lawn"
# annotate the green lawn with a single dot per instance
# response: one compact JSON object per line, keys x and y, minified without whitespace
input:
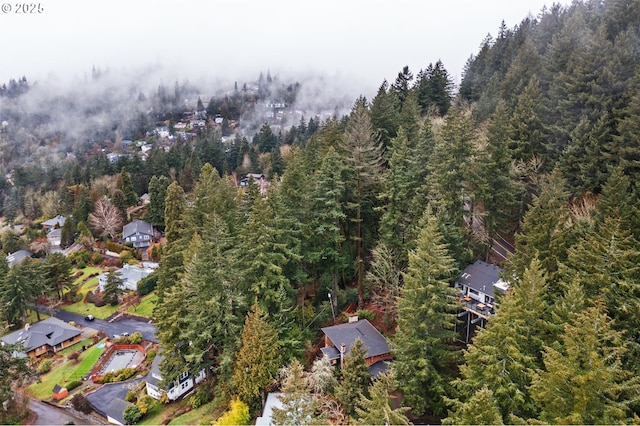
{"x":145,"y":308}
{"x":64,"y":371}
{"x":204,"y":415}
{"x":89,"y":284}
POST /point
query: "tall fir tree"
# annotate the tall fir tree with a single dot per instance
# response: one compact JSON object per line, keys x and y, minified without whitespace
{"x":377,"y":409}
{"x":583,"y":380}
{"x":258,"y":359}
{"x":362,"y":154}
{"x":504,"y":354}
{"x":298,"y":408}
{"x":423,"y":345}
{"x":354,"y":378}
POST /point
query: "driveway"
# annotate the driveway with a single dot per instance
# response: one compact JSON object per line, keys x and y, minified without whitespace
{"x":46,"y":414}
{"x":119,"y":325}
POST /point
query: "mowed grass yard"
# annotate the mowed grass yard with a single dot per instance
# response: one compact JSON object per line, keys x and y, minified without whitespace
{"x":64,"y":370}
{"x":145,"y":308}
{"x":88,"y":284}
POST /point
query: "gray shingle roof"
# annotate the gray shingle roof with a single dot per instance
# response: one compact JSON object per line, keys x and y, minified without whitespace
{"x":481,"y":276}
{"x":374,"y":342}
{"x":137,"y":227}
{"x":50,"y":331}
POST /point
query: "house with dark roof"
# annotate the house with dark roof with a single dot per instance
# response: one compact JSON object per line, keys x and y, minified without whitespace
{"x":138,"y":232}
{"x":339,"y":339}
{"x":45,"y":337}
{"x":480,"y":282}
{"x":109,"y":400}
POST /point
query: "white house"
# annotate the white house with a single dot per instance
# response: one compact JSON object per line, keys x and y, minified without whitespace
{"x":479,"y":282}
{"x":131,"y":275}
{"x":184,"y":384}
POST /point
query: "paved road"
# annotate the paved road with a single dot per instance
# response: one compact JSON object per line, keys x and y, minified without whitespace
{"x":118,"y":326}
{"x":50,"y":415}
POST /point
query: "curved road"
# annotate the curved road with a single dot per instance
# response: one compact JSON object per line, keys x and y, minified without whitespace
{"x":49,"y":415}
{"x":116,"y":327}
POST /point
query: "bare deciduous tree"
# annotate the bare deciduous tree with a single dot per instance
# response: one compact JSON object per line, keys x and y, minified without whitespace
{"x":105,"y":220}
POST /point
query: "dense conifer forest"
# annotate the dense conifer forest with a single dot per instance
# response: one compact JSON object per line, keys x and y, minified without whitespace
{"x":378,"y":211}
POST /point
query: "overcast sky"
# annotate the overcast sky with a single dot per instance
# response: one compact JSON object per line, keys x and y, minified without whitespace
{"x":360,"y":41}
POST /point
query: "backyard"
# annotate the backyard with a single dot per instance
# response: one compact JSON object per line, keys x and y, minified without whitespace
{"x":65,"y":370}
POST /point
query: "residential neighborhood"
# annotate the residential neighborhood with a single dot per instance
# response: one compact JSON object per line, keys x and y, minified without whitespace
{"x":444,"y":248}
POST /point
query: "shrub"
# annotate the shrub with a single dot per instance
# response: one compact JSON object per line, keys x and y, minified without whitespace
{"x":144,"y":404}
{"x":201,"y":397}
{"x":151,"y":354}
{"x":96,"y":259}
{"x":72,"y":385}
{"x":135,"y":338}
{"x":45,"y":366}
{"x":80,"y":403}
{"x":238,"y":414}
{"x":117,"y":376}
{"x":132,"y":414}
{"x":74,"y":355}
{"x":366,"y":314}
{"x":147,"y":284}
{"x":131,"y":396}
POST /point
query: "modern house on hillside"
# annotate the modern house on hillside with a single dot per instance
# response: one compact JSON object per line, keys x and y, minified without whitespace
{"x":339,"y":339}
{"x":56,"y":222}
{"x":45,"y":337}
{"x":480,"y":282}
{"x":184,"y":384}
{"x":478,"y":286}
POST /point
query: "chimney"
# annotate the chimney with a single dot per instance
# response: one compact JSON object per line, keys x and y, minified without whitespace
{"x":343,"y":347}
{"x":353,"y":318}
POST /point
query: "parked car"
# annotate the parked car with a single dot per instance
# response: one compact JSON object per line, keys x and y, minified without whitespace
{"x":89,"y":317}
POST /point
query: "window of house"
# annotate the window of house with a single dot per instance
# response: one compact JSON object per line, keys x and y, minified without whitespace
{"x":472,"y":291}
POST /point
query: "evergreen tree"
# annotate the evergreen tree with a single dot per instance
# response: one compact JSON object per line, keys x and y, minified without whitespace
{"x":277,"y":164}
{"x":258,"y":358}
{"x":172,"y":259}
{"x":15,"y":371}
{"x":423,"y":344}
{"x":402,"y":85}
{"x":58,"y":273}
{"x":377,"y":409}
{"x":542,"y":229}
{"x":398,"y":190}
{"x":481,"y":409}
{"x":119,"y":201}
{"x":454,"y":154}
{"x":126,"y":186}
{"x":158,"y":186}
{"x":327,"y":237}
{"x":495,"y":189}
{"x":504,"y":354}
{"x":362,"y":157}
{"x":204,"y":307}
{"x":385,"y":280}
{"x":20,"y":288}
{"x":354,"y":378}
{"x":113,"y":288}
{"x":298,"y":408}
{"x":68,"y":233}
{"x":262,"y":258}
{"x":385,"y":109}
{"x":583,"y":380}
